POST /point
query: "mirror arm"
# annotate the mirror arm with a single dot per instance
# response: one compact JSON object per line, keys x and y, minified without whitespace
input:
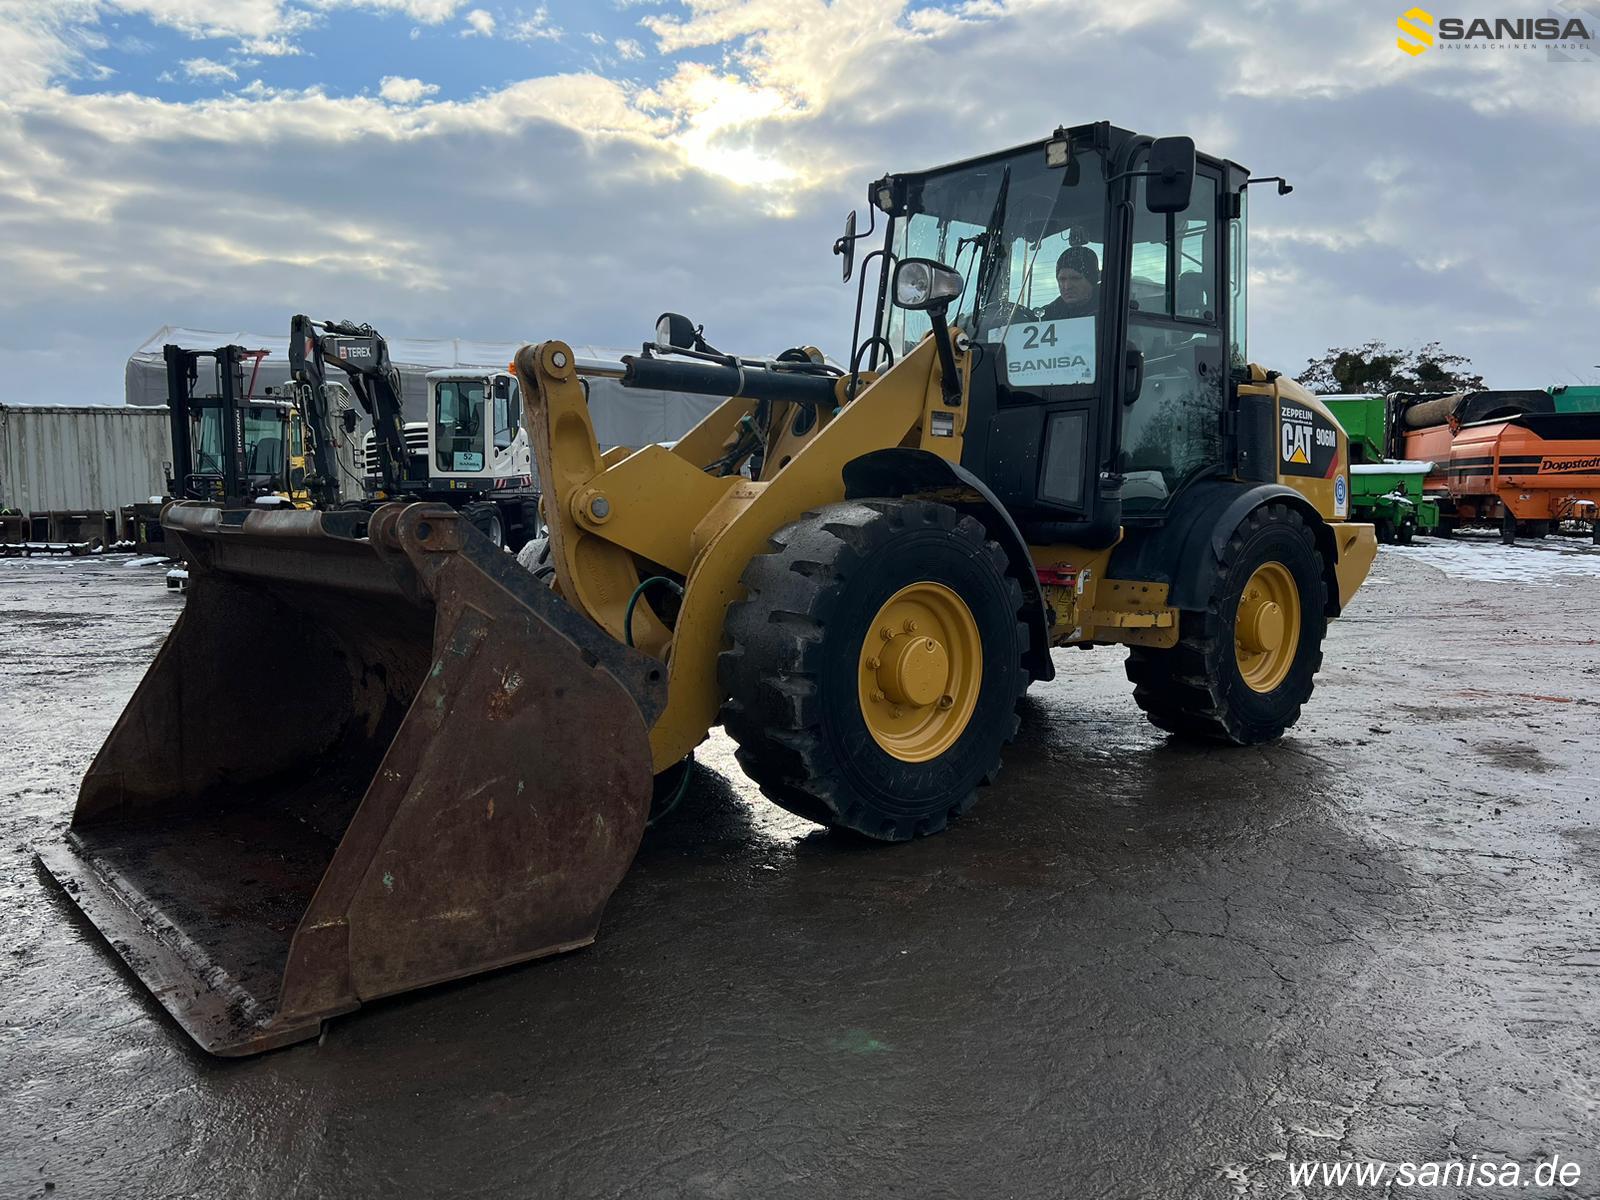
{"x":872,"y":223}
{"x":1284,"y":186}
{"x":1131,"y":175}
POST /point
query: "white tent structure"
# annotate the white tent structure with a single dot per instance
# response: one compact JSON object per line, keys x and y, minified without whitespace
{"x":622,"y":416}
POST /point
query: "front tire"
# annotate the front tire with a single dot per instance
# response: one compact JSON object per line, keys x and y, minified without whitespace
{"x":534,"y":557}
{"x":874,"y":670}
{"x":1245,"y":665}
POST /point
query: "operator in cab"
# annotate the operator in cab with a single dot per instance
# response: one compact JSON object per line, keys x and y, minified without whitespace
{"x":1078,"y":277}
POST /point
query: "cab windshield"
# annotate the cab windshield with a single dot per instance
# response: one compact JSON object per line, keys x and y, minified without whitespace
{"x":263,"y":446}
{"x":205,"y":439}
{"x":1029,"y":240}
{"x":458,"y":425}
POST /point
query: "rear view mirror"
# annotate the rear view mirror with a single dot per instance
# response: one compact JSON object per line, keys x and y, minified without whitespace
{"x":1170,"y":180}
{"x":502,"y":388}
{"x":846,"y":245}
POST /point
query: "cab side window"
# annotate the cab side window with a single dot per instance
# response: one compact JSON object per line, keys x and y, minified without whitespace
{"x":506,"y":412}
{"x":1174,"y":257}
{"x":1174,"y":429}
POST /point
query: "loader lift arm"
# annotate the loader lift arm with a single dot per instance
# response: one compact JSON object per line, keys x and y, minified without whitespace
{"x":363,"y":355}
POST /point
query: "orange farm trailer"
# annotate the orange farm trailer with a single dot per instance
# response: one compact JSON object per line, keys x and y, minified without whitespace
{"x":1527,"y":472}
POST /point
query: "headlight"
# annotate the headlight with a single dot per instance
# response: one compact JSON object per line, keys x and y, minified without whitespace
{"x":913,"y":285}
{"x":922,"y":283}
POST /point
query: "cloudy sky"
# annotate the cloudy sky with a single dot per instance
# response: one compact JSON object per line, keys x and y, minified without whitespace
{"x":497,"y":170}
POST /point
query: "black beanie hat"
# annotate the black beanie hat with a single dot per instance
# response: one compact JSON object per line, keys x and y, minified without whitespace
{"x":1082,"y":260}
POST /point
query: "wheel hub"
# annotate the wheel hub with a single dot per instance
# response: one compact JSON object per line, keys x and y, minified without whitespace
{"x":1261,"y":625}
{"x":921,"y":671}
{"x":914,"y":670}
{"x":1266,"y":627}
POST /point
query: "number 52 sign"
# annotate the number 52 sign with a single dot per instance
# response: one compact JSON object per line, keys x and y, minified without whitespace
{"x":1044,"y":353}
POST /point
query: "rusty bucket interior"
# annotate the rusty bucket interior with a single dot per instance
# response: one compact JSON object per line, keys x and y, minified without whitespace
{"x":373,"y":754}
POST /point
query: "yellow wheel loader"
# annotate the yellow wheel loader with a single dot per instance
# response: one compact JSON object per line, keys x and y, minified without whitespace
{"x":1050,"y":436}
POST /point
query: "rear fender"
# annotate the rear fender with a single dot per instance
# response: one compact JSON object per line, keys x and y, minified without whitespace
{"x":1184,"y":552}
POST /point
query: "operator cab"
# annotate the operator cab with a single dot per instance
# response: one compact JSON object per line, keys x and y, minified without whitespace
{"x":475,"y":420}
{"x":1101,"y":279}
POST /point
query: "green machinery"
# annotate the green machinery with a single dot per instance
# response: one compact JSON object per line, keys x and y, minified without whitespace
{"x":1384,"y":491}
{"x":1578,"y":399}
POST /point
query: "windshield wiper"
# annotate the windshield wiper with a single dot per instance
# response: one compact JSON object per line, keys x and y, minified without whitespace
{"x":991,"y":238}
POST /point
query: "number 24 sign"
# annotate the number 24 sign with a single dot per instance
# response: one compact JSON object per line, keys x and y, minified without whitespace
{"x":1043,"y":353}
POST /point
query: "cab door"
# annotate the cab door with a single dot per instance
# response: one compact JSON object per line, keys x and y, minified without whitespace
{"x":1176,"y":300}
{"x":1043,"y":378}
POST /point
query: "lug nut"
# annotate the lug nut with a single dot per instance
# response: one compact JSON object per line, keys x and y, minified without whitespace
{"x":873,"y":664}
{"x":877,"y":695}
{"x":910,"y":625}
{"x":947,"y":702}
{"x":886,"y":634}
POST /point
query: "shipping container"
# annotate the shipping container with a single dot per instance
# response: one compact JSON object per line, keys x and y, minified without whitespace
{"x":83,"y":457}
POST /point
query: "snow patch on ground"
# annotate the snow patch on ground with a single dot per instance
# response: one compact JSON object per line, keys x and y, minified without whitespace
{"x":147,"y":561}
{"x":1550,"y":561}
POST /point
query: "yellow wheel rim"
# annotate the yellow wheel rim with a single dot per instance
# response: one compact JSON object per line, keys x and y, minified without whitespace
{"x":1266,"y":629}
{"x":920,"y":671}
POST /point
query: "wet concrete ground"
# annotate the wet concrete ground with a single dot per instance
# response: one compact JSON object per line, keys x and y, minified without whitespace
{"x":1136,"y":970}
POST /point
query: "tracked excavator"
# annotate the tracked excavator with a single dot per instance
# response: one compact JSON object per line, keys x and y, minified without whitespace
{"x":1048,"y":435}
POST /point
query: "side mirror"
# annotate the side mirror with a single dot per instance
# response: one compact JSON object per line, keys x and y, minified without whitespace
{"x":845,"y":247}
{"x":502,"y":388}
{"x":921,"y":284}
{"x":1170,"y":182}
{"x":674,"y":331}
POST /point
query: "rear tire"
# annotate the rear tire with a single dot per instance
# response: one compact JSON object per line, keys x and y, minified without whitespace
{"x":815,"y":730}
{"x":1198,"y":688}
{"x":1405,"y":533}
{"x":485,"y":517}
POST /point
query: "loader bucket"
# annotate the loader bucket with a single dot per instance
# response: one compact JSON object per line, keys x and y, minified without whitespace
{"x":373,"y":754}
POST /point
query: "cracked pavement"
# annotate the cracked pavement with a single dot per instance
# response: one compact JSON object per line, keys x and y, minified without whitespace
{"x":1137,"y":969}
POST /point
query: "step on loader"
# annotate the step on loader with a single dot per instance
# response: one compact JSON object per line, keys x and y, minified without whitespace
{"x":1050,"y":435}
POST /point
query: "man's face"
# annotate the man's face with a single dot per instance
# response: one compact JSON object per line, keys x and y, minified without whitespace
{"x":1075,"y":289}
